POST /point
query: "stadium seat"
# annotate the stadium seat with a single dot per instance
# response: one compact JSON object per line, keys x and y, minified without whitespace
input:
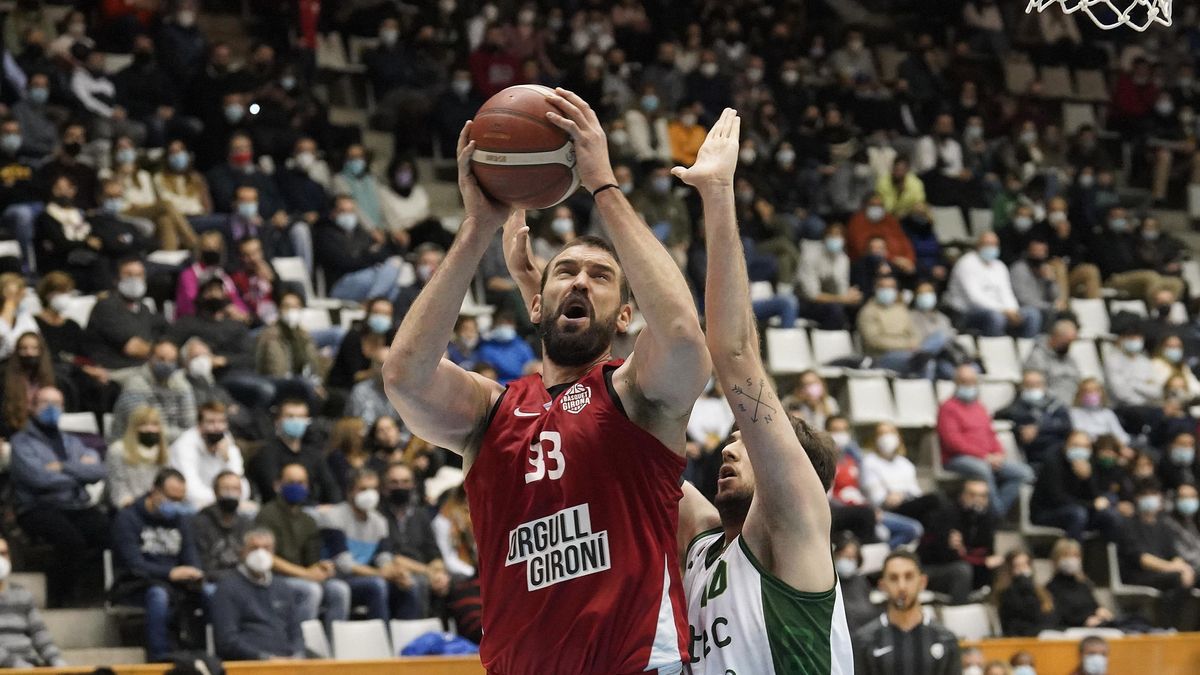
{"x":1090,"y":86}
{"x":1137,"y":307}
{"x":361,"y":640}
{"x":1092,"y":316}
{"x":967,"y":342}
{"x":315,"y":640}
{"x":110,"y":578}
{"x":968,"y":622}
{"x":996,"y":395}
{"x":1121,"y":590}
{"x":1076,"y":115}
{"x":788,"y":351}
{"x":79,"y":308}
{"x":870,"y":400}
{"x":315,"y":318}
{"x":347,"y":317}
{"x":981,"y":220}
{"x":1026,"y":526}
{"x":829,"y":345}
{"x":404,"y":632}
{"x":999,"y":356}
{"x":79,"y":423}
{"x":292,"y":270}
{"x":1024,"y":348}
{"x":1056,"y":82}
{"x":169,"y":258}
{"x":948,"y":224}
{"x":1085,"y":356}
{"x":916,"y":404}
{"x":9,"y":248}
{"x":1018,"y":75}
{"x":1190,"y":271}
{"x":944,"y":390}
{"x":873,"y":556}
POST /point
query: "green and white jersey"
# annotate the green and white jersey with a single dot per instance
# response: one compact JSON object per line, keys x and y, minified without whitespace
{"x":742,"y":620}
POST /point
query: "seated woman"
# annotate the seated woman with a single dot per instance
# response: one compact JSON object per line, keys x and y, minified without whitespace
{"x":27,"y":371}
{"x":1026,"y":609}
{"x":16,"y":317}
{"x":172,"y":231}
{"x":1176,"y":413}
{"x":1068,"y":493}
{"x":1168,"y":361}
{"x":889,"y":480}
{"x":856,"y":589}
{"x":385,"y":443}
{"x":810,"y":400}
{"x":137,"y":457}
{"x":1091,"y":413}
{"x":345,"y":454}
{"x":66,"y":342}
{"x":1184,"y":525}
{"x":207,"y":266}
{"x":179,"y":184}
{"x":1073,"y":594}
{"x":287,"y":354}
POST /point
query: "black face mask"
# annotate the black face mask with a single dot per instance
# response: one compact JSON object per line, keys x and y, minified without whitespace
{"x":62,"y":200}
{"x":210,"y":257}
{"x":149,"y":438}
{"x":30,"y":363}
{"x":213,"y":437}
{"x":227,"y":505}
{"x":72,"y":149}
{"x":400,"y":496}
{"x":212,"y":305}
{"x":1063,"y":350}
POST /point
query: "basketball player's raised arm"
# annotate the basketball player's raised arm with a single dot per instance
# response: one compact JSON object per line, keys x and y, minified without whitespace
{"x":788,"y":523}
{"x":523,"y":266}
{"x":670,"y":364}
{"x":439,"y":401}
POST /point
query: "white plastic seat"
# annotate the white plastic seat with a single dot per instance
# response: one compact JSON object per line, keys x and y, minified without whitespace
{"x":1090,"y":86}
{"x":346,"y":317}
{"x":1119,"y":588}
{"x":404,"y":632}
{"x":944,"y":390}
{"x":1084,"y":353}
{"x":1018,"y":75}
{"x":788,"y":351}
{"x":916,"y":404}
{"x":1026,"y":526}
{"x":870,"y":400}
{"x":968,"y":622}
{"x":828,"y":345}
{"x":361,"y":640}
{"x":980,"y":220}
{"x":1076,"y":115}
{"x":1092,"y":316}
{"x":999,"y":356}
{"x":169,"y":258}
{"x":873,"y":556}
{"x":78,"y":423}
{"x":9,"y":248}
{"x":315,"y":640}
{"x":967,"y":342}
{"x":1024,"y":348}
{"x":79,"y":308}
{"x":948,"y":224}
{"x":315,"y":318}
{"x":1137,"y":307}
{"x":1056,"y":82}
{"x":995,"y":396}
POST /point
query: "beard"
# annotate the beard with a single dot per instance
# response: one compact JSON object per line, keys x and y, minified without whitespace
{"x":576,"y":347}
{"x":734,"y":505}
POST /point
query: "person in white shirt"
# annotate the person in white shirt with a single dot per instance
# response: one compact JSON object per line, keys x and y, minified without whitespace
{"x":16,"y":315}
{"x":981,"y":291}
{"x":204,"y":451}
{"x":1132,"y":382}
{"x":710,"y":424}
{"x":889,"y":480}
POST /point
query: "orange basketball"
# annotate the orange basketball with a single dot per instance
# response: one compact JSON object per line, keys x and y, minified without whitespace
{"x":521,"y":158}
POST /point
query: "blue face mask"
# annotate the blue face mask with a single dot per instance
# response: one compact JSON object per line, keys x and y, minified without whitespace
{"x":178,"y":161}
{"x":835,"y":245}
{"x":885,"y":296}
{"x":967,"y":393}
{"x":248,"y":210}
{"x":1132,"y":345}
{"x":11,"y":143}
{"x":1149,"y":503}
{"x":1078,"y":454}
{"x":39,"y":95}
{"x":113,"y":205}
{"x":1183,"y":456}
{"x":989,"y":253}
{"x":504,"y":334}
{"x":48,"y":416}
{"x":926,"y":301}
{"x":294,"y":493}
{"x":294,"y":427}
{"x":379,"y":323}
{"x":1095,"y":664}
{"x":346,"y":220}
{"x":1173,"y":354}
{"x":356,"y":166}
{"x":234,"y":113}
{"x":650,"y":103}
{"x":171,"y":510}
{"x":126,"y":156}
{"x":1033,"y":396}
{"x":1187,"y":506}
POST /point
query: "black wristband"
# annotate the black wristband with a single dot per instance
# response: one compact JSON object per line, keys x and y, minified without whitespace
{"x":604,"y":187}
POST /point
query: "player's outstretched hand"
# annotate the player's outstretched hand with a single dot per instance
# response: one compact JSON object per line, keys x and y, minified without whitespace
{"x":718,"y":156}
{"x":577,"y":118}
{"x":487,"y":212}
{"x":523,"y":265}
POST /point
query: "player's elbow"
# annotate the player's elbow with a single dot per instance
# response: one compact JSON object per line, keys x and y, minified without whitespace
{"x":684,"y":333}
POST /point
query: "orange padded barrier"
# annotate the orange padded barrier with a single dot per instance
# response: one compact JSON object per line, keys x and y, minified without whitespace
{"x":1146,"y":654}
{"x":425,"y":665}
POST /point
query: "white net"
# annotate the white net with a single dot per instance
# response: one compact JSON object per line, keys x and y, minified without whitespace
{"x":1108,"y":14}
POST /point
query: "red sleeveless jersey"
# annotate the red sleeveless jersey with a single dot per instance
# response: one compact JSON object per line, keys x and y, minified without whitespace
{"x":575,"y":510}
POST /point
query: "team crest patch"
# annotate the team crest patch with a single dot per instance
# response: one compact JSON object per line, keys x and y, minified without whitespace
{"x":937,"y":650}
{"x":576,"y":398}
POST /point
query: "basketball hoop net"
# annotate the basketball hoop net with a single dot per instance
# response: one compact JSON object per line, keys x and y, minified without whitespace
{"x":1138,"y":15}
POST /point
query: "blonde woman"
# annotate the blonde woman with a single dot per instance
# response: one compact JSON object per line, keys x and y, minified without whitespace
{"x":810,"y":400}
{"x":1170,"y":360}
{"x":1092,"y":414}
{"x":136,"y":457}
{"x":1074,"y":596}
{"x":889,"y":480}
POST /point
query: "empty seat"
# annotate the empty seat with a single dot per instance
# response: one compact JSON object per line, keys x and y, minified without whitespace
{"x":1119,"y":588}
{"x":315,"y":318}
{"x":315,"y":640}
{"x":1083,"y":352}
{"x":361,"y":640}
{"x":967,"y":342}
{"x":1090,"y":86}
{"x":79,"y":308}
{"x":1092,"y":316}
{"x":1056,"y":82}
{"x":1024,"y":348}
{"x":830,"y":345}
{"x":968,"y":622}
{"x":999,"y":356}
{"x":1076,"y":115}
{"x":1018,"y":75}
{"x":404,"y":632}
{"x":916,"y":404}
{"x":1190,"y":271}
{"x":788,"y":351}
{"x":981,"y":220}
{"x":873,"y":556}
{"x":948,"y":224}
{"x":1137,"y":307}
{"x":79,"y":423}
{"x":944,"y":390}
{"x":996,"y":396}
{"x":870,"y":400}
{"x":9,"y":248}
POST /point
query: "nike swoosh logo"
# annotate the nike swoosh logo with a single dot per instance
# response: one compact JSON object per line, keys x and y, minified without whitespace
{"x":521,"y":413}
{"x":881,"y":651}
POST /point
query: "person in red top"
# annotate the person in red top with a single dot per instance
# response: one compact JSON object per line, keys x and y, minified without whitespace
{"x":1134,"y":97}
{"x":492,"y":67}
{"x":573,"y":475}
{"x":874,"y":221}
{"x":970,"y":446}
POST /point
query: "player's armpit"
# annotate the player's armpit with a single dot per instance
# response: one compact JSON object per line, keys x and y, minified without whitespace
{"x":450,"y":409}
{"x":696,"y":515}
{"x":667,"y":372}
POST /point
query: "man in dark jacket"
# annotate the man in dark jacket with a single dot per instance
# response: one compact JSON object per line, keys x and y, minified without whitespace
{"x":358,"y":263}
{"x":154,"y":553}
{"x":1041,"y":421}
{"x":254,"y":612}
{"x":293,"y":445}
{"x":959,"y":550}
{"x":903,"y":640}
{"x":411,"y":540}
{"x":121,"y":328}
{"x":50,"y":471}
{"x":220,"y":527}
{"x":240,"y":170}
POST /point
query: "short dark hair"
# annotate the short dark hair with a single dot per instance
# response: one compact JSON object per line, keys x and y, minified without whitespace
{"x":593,"y":242}
{"x":213,"y":406}
{"x":356,"y":475}
{"x":1091,"y":640}
{"x":283,"y":469}
{"x":820,"y":448}
{"x":224,"y":473}
{"x":289,"y":402}
{"x":165,"y":474}
{"x":902,"y":554}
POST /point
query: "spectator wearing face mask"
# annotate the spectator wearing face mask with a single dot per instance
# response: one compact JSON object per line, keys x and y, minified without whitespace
{"x":356,"y":181}
{"x":1169,"y":362}
{"x":97,"y":93}
{"x":356,"y":531}
{"x":457,"y":104}
{"x":1093,"y":656}
{"x":1068,"y":493}
{"x":856,"y":589}
{"x":1035,"y":281}
{"x":900,"y":190}
{"x":980,"y":290}
{"x":1041,"y":420}
{"x":1184,"y":524}
{"x":1129,"y":373}
{"x":426,"y":259}
{"x":16,"y":319}
{"x":293,"y":445}
{"x":649,"y":134}
{"x":685,"y":135}
{"x":69,"y":160}
{"x":286,"y":353}
{"x":121,"y":328}
{"x":39,"y":135}
{"x":207,"y":267}
{"x":1148,"y":554}
{"x":181,"y":44}
{"x":887,"y":332}
{"x":204,"y":451}
{"x":220,"y":527}
{"x":505,"y":350}
{"x":305,"y":181}
{"x":959,"y":551}
{"x":353,"y":361}
{"x":254,"y":612}
{"x":405,"y":206}
{"x":27,"y":371}
{"x":67,"y":242}
{"x":890,"y":483}
{"x":1119,"y":264}
{"x":1073,"y":594}
{"x":198,"y":365}
{"x":823,"y":278}
{"x":27,"y":642}
{"x":179,"y":184}
{"x":1178,"y":464}
{"x":160,"y":384}
{"x":137,"y":198}
{"x":562,"y":230}
{"x":811,"y":400}
{"x":154,"y":555}
{"x":1091,"y":414}
{"x":368,"y":400}
{"x":1051,"y":356}
{"x":664,"y":211}
{"x":417,"y":565}
{"x":239,"y":170}
{"x":1025,"y":608}
{"x":872,"y":221}
{"x":136,"y":458}
{"x":359,"y":262}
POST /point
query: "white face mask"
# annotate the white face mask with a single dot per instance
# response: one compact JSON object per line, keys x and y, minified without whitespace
{"x":5,"y":567}
{"x":291,"y":317}
{"x":366,"y":500}
{"x":1071,"y":565}
{"x":260,"y":561}
{"x":840,"y":438}
{"x":845,"y":567}
{"x":201,"y":367}
{"x":887,"y":444}
{"x":60,"y":303}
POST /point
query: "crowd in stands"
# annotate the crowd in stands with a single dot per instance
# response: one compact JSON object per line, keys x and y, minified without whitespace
{"x":173,"y":207}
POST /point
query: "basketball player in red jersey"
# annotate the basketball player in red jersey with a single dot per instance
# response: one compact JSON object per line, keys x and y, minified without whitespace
{"x":573,"y":475}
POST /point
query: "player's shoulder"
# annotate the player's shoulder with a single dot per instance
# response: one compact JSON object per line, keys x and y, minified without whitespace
{"x":700,"y":541}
